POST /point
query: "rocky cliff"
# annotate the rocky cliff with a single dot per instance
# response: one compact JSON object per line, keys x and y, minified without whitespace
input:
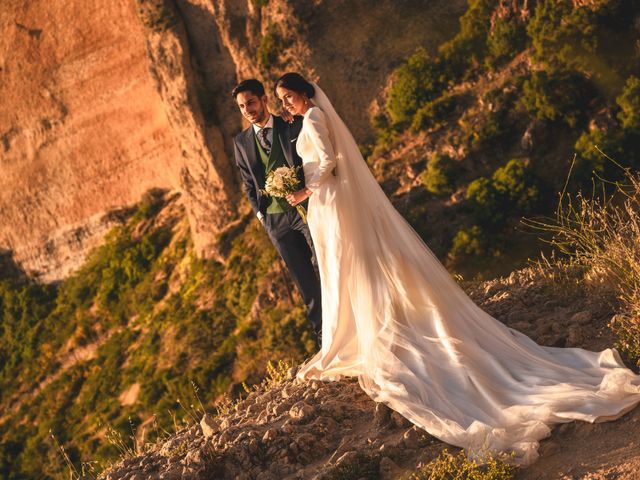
{"x":102,"y":102}
{"x":332,"y":430}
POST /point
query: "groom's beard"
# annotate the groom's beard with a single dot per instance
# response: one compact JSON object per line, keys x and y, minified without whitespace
{"x":264,"y":116}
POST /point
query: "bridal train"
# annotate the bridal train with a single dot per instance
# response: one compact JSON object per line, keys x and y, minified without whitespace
{"x":396,"y":319}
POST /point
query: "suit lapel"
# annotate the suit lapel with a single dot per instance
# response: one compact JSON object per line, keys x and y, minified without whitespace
{"x":251,"y":150}
{"x":285,"y":142}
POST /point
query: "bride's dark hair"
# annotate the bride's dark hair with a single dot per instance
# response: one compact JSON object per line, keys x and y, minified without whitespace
{"x":296,"y":82}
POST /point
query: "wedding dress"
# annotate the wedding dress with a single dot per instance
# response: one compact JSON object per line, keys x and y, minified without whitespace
{"x":396,"y":319}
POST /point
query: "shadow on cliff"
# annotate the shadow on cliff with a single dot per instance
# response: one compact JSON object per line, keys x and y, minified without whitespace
{"x":215,"y":70}
{"x":9,"y":268}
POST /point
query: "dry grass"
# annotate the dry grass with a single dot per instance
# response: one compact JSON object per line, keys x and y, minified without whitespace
{"x":599,"y":234}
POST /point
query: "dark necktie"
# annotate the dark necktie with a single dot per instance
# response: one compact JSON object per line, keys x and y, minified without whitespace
{"x":266,"y":144}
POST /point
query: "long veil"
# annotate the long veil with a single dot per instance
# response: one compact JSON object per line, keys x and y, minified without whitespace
{"x":425,"y":349}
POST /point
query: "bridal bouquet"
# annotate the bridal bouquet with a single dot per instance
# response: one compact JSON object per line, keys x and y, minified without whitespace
{"x":281,"y":182}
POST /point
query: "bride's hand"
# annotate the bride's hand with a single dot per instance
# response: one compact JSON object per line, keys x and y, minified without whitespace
{"x":299,"y":196}
{"x":286,"y":116}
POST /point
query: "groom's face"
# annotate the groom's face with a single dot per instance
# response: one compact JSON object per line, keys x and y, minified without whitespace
{"x":252,"y":107}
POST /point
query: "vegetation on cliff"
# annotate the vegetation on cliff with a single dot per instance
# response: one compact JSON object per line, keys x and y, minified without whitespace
{"x":508,"y":101}
{"x":131,"y":333}
{"x":471,"y":139}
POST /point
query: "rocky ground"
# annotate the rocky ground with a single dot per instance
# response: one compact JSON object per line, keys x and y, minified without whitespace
{"x":332,"y":430}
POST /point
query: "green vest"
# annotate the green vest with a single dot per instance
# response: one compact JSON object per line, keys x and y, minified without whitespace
{"x":274,"y":160}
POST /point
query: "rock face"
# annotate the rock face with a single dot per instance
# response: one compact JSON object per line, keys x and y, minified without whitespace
{"x":350,"y":48}
{"x":83,"y":128}
{"x":104,"y":101}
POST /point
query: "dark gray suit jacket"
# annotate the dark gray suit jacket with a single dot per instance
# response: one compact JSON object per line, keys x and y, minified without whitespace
{"x":252,"y":168}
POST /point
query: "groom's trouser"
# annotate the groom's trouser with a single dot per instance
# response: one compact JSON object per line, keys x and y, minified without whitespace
{"x":291,"y":237}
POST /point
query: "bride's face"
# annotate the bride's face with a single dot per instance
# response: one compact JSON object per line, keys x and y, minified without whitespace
{"x":294,"y":102}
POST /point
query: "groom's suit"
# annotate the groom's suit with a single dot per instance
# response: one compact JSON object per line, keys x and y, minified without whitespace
{"x":289,"y":234}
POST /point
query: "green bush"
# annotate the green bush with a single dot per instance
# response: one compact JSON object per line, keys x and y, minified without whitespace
{"x":620,"y":143}
{"x":512,"y":190}
{"x":491,"y":129}
{"x":483,"y":199}
{"x":438,"y":178}
{"x":459,"y":467}
{"x":591,"y":165}
{"x":415,"y":83}
{"x":563,"y":36}
{"x":516,"y":184}
{"x":385,"y":132}
{"x":595,"y":38}
{"x":629,"y":103}
{"x":506,"y":38}
{"x":435,"y":112}
{"x":157,"y":15}
{"x":467,"y":242}
{"x":469,"y":47}
{"x":270,"y":45}
{"x":561,"y":96}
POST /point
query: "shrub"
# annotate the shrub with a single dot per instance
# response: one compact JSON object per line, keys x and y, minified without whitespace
{"x":629,"y":103}
{"x":362,"y":466}
{"x":590,"y":162}
{"x":506,"y":38}
{"x":156,"y":15}
{"x":269,"y":48}
{"x":415,"y":83}
{"x":556,"y":97}
{"x":516,"y":184}
{"x":563,"y":36}
{"x":467,"y":242}
{"x":469,"y":47}
{"x":489,"y":130}
{"x":439,"y":175}
{"x":384,"y":130}
{"x":448,"y":466}
{"x":483,"y":199}
{"x":435,"y":112}
{"x":512,"y":190}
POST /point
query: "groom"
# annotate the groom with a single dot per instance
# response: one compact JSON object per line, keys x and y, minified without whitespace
{"x":267,"y":144}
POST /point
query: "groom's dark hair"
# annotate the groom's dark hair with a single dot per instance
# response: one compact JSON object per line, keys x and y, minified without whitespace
{"x":251,"y":85}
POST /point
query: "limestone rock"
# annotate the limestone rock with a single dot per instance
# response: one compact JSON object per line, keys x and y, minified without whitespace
{"x":301,"y":411}
{"x":209,"y":426}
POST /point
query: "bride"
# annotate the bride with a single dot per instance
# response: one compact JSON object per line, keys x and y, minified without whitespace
{"x":394,"y":317}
